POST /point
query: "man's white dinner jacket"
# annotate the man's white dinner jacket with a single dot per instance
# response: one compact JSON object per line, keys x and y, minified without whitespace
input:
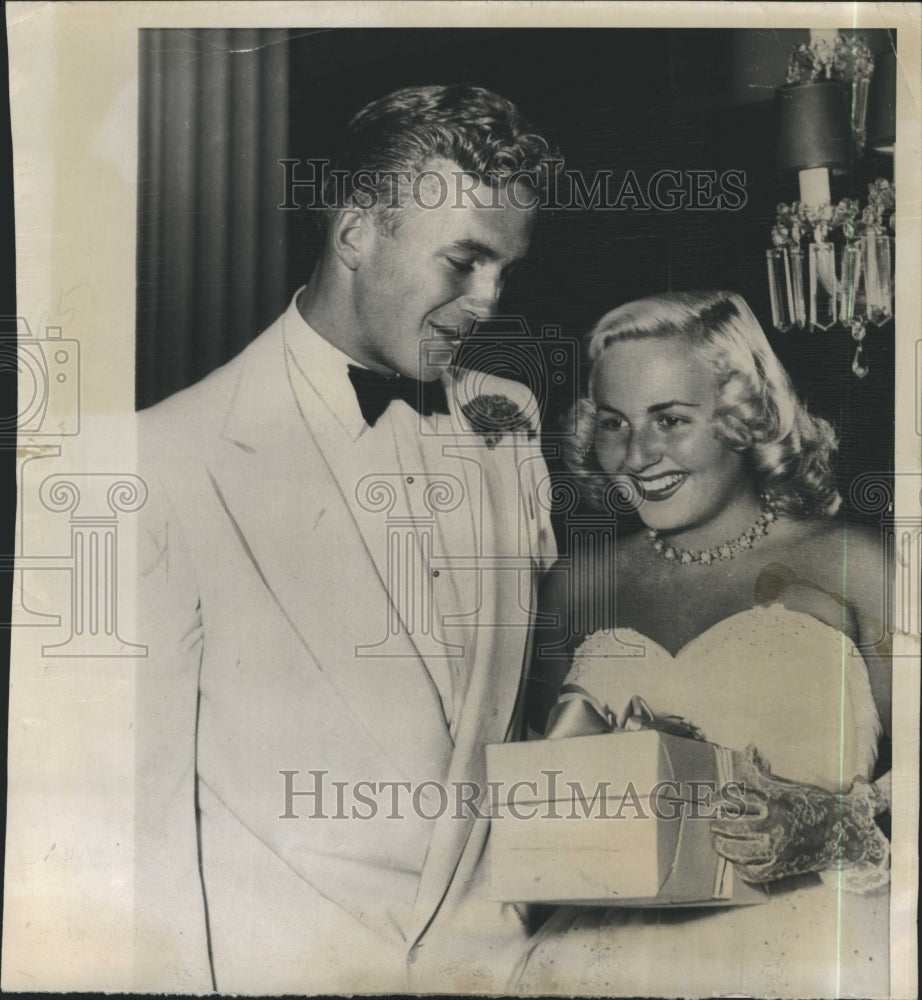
{"x":283,"y":598}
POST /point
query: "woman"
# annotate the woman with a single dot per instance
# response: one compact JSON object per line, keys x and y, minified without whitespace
{"x":737,"y":615}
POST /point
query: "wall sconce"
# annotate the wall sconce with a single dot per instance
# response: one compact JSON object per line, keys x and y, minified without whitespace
{"x":822,"y":114}
{"x":814,"y":134}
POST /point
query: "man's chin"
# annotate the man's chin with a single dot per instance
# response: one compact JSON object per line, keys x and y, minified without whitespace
{"x":438,"y":359}
{"x":432,"y":373}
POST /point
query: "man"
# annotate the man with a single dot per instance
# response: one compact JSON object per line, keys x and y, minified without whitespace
{"x":340,"y":554}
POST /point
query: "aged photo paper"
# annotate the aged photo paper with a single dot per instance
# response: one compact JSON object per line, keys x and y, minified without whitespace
{"x":370,"y":626}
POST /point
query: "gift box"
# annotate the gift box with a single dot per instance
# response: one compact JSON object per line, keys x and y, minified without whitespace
{"x":619,"y":818}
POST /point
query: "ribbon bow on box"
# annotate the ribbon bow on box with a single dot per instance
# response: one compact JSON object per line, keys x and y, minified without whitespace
{"x":578,"y":713}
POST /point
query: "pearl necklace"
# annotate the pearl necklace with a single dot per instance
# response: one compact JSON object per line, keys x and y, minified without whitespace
{"x":726,"y":550}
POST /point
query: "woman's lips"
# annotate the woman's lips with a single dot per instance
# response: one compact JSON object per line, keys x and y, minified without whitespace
{"x":660,"y":487}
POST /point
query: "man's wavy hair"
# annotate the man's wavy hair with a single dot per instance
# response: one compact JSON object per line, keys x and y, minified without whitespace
{"x":483,"y":133}
{"x":758,"y":410}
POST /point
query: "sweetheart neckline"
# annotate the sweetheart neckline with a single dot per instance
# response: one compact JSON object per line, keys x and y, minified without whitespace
{"x":777,"y":607}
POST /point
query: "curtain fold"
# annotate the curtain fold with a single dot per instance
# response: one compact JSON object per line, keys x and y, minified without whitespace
{"x":213,"y":116}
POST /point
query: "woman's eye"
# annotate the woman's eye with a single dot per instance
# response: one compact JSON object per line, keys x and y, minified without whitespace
{"x":610,"y":424}
{"x":670,"y":421}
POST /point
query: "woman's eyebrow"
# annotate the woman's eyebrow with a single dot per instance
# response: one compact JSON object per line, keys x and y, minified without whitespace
{"x":672,"y":402}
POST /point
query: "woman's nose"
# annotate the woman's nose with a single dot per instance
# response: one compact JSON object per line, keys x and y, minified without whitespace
{"x":643,"y":450}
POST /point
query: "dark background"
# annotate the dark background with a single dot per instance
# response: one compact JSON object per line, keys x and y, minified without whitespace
{"x":612,"y":99}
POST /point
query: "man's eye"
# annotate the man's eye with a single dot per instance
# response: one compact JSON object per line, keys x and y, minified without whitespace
{"x":462,"y":266}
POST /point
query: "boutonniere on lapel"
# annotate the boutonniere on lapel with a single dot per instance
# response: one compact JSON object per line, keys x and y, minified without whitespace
{"x":493,"y":415}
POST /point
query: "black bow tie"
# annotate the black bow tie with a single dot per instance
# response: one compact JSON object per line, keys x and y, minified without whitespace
{"x":376,"y":392}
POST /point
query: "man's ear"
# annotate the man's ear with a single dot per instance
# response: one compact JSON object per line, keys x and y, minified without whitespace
{"x":349,"y":233}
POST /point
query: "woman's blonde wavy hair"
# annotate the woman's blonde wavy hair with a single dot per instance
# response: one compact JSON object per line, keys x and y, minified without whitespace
{"x":758,"y":410}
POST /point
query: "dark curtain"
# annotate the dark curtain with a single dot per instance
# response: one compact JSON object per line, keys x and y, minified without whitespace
{"x":213,"y":123}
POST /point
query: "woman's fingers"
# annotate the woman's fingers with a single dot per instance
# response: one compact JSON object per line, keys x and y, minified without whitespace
{"x":756,"y":873}
{"x":752,"y":850}
{"x":735,"y":829}
{"x":742,"y":805}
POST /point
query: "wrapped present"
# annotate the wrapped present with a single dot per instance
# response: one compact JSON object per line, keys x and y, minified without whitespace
{"x":620,"y":818}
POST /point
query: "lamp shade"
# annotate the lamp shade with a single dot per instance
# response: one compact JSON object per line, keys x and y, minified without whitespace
{"x":814,"y":126}
{"x":882,"y":103}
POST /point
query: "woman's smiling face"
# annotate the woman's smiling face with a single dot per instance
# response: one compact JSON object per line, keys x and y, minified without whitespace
{"x":656,"y":400}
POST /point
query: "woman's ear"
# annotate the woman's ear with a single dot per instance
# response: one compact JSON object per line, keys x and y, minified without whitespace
{"x":348,"y":234}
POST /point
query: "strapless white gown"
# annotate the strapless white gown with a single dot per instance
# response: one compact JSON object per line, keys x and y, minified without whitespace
{"x":798,"y":689}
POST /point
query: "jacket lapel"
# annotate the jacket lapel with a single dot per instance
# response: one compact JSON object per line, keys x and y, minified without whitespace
{"x":498,"y":668}
{"x":373,"y":495}
{"x":272,"y":470}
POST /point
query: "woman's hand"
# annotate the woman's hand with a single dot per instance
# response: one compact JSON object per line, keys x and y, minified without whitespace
{"x":791,"y":828}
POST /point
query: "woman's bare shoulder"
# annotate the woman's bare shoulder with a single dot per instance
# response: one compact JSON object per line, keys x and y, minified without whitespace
{"x":840,"y":555}
{"x":836,"y":541}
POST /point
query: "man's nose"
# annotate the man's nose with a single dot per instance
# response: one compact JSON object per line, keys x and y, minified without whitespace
{"x":643,"y":450}
{"x":482,"y":296}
